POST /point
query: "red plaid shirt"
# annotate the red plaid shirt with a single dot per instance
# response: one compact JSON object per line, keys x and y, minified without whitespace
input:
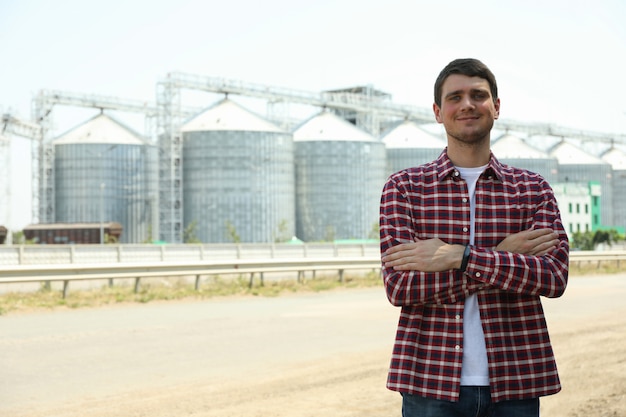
{"x":432,"y":201}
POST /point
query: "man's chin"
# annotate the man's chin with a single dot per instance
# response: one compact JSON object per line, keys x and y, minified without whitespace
{"x":471,"y":138}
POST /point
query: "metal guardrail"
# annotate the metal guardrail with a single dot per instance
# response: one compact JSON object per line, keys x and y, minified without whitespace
{"x":149,"y":253}
{"x":92,"y":271}
{"x":592,"y":256}
{"x":76,"y":272}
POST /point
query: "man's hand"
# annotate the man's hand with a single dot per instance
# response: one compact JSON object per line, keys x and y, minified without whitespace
{"x":536,"y":242}
{"x":432,"y":255}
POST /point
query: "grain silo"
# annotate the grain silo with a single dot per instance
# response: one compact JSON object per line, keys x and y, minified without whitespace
{"x":579,"y":166}
{"x":238,"y":177}
{"x":340,"y":172}
{"x":409,"y":145}
{"x":515,"y":151}
{"x":105,"y":172}
{"x":617,"y":159}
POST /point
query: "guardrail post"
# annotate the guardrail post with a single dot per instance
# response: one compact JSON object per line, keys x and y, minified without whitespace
{"x":251,"y":283}
{"x":137,"y":281}
{"x":66,"y":284}
{"x":197,"y":284}
{"x":341,"y":275}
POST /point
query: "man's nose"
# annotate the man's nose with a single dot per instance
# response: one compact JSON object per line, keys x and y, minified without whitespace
{"x":467,"y":103}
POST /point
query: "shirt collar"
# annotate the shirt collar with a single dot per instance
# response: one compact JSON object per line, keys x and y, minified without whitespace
{"x":446,"y":168}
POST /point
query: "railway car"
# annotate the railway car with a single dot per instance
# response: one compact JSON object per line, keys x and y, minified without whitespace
{"x":73,"y":233}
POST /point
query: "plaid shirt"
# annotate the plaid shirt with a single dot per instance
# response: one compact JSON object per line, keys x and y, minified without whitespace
{"x":432,"y":201}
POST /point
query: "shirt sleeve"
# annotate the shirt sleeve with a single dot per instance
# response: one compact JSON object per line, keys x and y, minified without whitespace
{"x":405,"y":288}
{"x":545,"y":275}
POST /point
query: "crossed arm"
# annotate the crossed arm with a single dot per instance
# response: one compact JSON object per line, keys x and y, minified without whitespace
{"x":433,"y":255}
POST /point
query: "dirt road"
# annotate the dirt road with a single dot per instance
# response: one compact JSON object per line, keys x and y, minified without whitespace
{"x":296,"y":355}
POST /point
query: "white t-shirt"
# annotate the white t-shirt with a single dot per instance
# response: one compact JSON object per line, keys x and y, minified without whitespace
{"x":475,"y":370}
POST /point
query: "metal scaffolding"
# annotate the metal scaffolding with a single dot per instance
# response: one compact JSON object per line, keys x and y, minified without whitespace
{"x":28,"y":130}
{"x":43,"y":161}
{"x":369,"y":109}
{"x":170,"y":162}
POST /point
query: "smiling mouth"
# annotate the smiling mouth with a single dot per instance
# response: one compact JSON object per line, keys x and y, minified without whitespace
{"x":466,"y":118}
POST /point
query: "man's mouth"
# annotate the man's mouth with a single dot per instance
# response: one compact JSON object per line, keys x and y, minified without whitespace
{"x":466,"y":118}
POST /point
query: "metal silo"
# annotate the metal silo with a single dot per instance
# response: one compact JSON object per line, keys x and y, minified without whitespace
{"x":578,"y":165}
{"x":617,"y":158}
{"x":409,"y":145}
{"x":340,"y":172}
{"x":514,"y":151}
{"x":104,"y":172}
{"x":238,"y":177}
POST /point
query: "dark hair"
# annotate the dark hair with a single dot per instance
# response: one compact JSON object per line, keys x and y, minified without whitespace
{"x":466,"y":66}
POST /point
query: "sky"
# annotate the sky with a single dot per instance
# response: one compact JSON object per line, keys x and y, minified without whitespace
{"x":559,"y":61}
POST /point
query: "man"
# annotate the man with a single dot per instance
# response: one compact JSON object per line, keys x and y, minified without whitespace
{"x":468,"y":247}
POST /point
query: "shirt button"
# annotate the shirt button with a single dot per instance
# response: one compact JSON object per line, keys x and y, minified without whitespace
{"x":457,"y":347}
{"x":465,"y":200}
{"x":458,"y":317}
{"x":456,"y":173}
{"x":465,"y":229}
{"x":478,"y":274}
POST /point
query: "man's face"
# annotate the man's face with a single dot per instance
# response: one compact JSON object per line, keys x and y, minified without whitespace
{"x":467,"y":108}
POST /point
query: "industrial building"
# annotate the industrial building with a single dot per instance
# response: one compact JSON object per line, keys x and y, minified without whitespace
{"x":340,"y":172}
{"x":578,"y":166}
{"x":512,"y":150}
{"x":223,"y":172}
{"x":409,"y":145}
{"x":238,"y":177}
{"x":579,"y":204}
{"x":104,"y":172}
{"x":617,"y":159}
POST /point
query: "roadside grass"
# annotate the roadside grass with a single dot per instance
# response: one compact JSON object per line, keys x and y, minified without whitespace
{"x":153,"y":289}
{"x":50,"y":297}
{"x":595,"y":268}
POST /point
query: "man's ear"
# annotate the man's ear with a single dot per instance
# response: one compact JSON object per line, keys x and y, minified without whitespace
{"x":497,"y":106}
{"x":437,"y":112}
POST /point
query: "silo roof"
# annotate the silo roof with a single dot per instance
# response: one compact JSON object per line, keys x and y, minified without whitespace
{"x":100,"y":129}
{"x":227,"y":115}
{"x":409,"y":135}
{"x":511,"y":146}
{"x":329,"y":126}
{"x":566,"y":153}
{"x":615,"y":157}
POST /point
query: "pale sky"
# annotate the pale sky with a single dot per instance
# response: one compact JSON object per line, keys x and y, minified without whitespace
{"x":559,"y":62}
